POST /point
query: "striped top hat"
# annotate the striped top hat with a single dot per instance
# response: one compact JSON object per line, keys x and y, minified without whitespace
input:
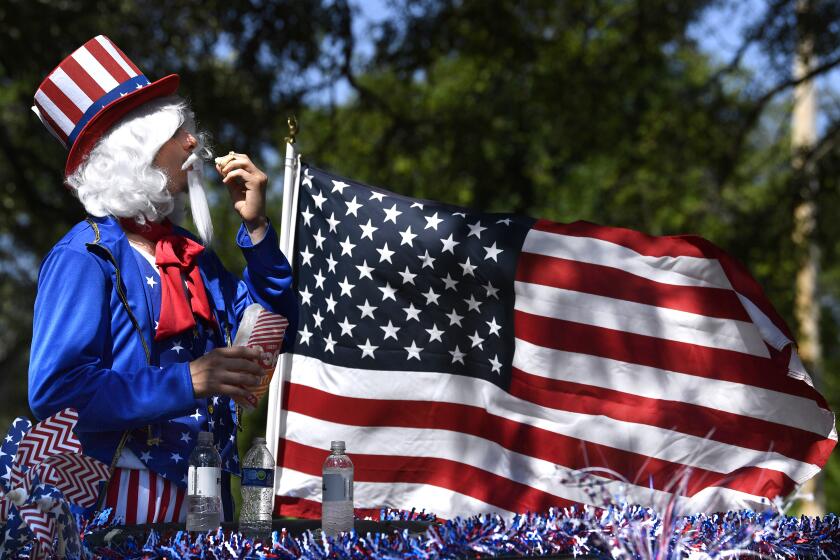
{"x":89,"y":92}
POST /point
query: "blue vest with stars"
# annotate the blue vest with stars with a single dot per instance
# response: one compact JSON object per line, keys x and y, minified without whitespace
{"x":93,"y":344}
{"x":162,"y":450}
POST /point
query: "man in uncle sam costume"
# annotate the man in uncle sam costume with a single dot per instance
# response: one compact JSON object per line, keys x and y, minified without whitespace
{"x":134,"y":316}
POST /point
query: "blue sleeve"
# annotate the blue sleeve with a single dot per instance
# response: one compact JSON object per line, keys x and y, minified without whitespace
{"x":267,"y":280}
{"x":73,"y":348}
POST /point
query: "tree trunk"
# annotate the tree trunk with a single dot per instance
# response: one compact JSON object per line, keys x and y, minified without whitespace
{"x":806,"y":306}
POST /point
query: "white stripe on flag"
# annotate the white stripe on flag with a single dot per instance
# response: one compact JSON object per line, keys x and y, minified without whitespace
{"x":639,"y":318}
{"x":96,"y":71}
{"x":650,"y":441}
{"x":769,"y":331}
{"x":171,"y":514}
{"x":73,"y":92}
{"x":158,"y":497}
{"x":58,"y":117}
{"x":143,"y":496}
{"x":106,"y":44}
{"x":122,"y":498}
{"x":655,"y":383}
{"x":679,"y":271}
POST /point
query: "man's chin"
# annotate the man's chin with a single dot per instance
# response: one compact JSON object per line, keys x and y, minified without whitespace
{"x":179,"y":208}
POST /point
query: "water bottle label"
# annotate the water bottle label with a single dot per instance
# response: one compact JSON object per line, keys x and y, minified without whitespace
{"x":263,"y":478}
{"x":204,"y":481}
{"x":337,"y":488}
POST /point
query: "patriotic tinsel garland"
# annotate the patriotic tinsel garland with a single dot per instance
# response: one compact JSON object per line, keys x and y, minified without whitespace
{"x":610,"y":533}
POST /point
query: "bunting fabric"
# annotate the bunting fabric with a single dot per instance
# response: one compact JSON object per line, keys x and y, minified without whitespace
{"x":480,"y":363}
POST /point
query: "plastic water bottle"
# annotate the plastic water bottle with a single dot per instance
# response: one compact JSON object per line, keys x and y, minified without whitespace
{"x":204,"y":486}
{"x":257,"y":491}
{"x":337,"y":491}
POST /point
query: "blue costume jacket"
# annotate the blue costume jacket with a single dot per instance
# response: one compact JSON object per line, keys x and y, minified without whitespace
{"x":93,"y":345}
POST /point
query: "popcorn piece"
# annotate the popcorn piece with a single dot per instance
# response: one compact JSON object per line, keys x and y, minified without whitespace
{"x":221,"y":161}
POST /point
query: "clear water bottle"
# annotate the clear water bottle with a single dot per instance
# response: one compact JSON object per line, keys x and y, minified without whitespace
{"x":204,"y":486}
{"x":257,"y":492}
{"x":337,"y":491}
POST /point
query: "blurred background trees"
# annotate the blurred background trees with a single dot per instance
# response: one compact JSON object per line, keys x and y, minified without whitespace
{"x":613,"y":111}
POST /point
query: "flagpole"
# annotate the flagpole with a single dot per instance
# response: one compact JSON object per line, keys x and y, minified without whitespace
{"x":291,"y":177}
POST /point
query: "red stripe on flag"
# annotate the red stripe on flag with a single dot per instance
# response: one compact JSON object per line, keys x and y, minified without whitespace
{"x":151,"y":511}
{"x":64,"y":103}
{"x":107,"y":61}
{"x":180,"y":493}
{"x":691,"y":359}
{"x":615,"y":283}
{"x":111,"y":499}
{"x":696,"y":420}
{"x":528,"y":440}
{"x":675,"y":246}
{"x":131,"y":498}
{"x":288,"y":506}
{"x":648,"y":245}
{"x":444,"y":473}
{"x":84,"y":80}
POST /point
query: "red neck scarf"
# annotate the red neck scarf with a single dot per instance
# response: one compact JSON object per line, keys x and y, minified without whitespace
{"x":175,"y":254}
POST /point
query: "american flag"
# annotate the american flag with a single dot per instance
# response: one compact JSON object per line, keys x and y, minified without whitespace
{"x":480,"y":362}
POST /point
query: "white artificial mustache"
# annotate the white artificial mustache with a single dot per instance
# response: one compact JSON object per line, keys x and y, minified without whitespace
{"x":201,"y":153}
{"x":199,"y":208}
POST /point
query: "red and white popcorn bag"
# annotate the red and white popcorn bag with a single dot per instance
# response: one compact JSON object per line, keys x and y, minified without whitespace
{"x":264,"y":331}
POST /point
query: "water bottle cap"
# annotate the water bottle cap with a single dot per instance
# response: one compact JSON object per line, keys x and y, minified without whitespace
{"x":259,"y":441}
{"x":205,"y":438}
{"x":337,"y":446}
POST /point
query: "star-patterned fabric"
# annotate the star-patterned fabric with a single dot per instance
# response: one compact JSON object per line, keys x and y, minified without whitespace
{"x":387,"y":282}
{"x":162,"y":446}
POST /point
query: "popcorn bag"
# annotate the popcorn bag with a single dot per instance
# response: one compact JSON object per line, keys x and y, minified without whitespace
{"x":264,"y":331}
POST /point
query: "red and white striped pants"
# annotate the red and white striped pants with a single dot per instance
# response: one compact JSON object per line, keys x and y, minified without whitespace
{"x":142,"y":496}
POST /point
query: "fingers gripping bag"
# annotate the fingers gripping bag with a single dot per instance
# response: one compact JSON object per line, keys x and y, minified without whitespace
{"x":264,"y":331}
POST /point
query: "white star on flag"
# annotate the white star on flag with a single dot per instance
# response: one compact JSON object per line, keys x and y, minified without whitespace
{"x":390,"y":330}
{"x":432,"y":221}
{"x":307,"y":215}
{"x":346,"y":328}
{"x":449,"y":244}
{"x":364,"y":270}
{"x":367,"y":230}
{"x":329,"y":344}
{"x":434,"y":333}
{"x":367,"y":349}
{"x":333,"y":223}
{"x":407,"y":276}
{"x":457,"y":355}
{"x":353,"y":207}
{"x":305,"y":335}
{"x":391,"y":214}
{"x":492,"y":252}
{"x":346,"y":287}
{"x":413,"y":351}
{"x":475,"y":229}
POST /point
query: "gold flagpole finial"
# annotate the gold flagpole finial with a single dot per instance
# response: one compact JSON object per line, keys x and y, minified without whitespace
{"x":293,"y":129}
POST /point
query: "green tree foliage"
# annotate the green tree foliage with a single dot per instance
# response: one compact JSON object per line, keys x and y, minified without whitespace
{"x":604,"y":111}
{"x":600,"y":110}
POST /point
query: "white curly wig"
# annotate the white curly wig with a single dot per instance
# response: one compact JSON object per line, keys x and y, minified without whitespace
{"x":118,"y":177}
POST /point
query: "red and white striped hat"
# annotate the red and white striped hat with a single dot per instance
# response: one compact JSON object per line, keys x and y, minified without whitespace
{"x":89,"y":92}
